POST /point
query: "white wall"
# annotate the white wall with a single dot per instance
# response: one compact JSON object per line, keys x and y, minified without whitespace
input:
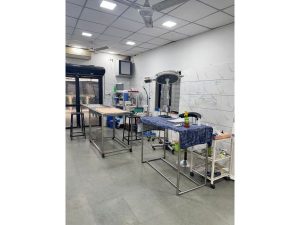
{"x":207,"y":64}
{"x":108,"y":62}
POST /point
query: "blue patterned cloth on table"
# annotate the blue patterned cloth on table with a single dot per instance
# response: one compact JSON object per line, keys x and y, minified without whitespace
{"x":194,"y":135}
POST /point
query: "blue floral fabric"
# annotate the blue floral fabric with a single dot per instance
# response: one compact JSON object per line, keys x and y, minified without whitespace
{"x":194,"y":135}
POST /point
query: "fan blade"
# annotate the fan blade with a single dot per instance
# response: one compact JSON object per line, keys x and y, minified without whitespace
{"x":101,"y":48}
{"x":166,"y":4}
{"x":148,"y":21}
{"x":146,"y":14}
{"x":130,"y":4}
{"x":146,"y":4}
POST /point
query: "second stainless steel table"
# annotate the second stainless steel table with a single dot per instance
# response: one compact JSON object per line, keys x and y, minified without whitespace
{"x":101,"y":111}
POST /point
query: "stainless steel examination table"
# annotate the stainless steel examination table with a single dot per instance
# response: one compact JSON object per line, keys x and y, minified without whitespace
{"x":101,"y":111}
{"x":194,"y":135}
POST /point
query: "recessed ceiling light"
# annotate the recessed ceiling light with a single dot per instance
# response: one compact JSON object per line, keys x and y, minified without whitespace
{"x":111,"y":52}
{"x":169,"y":24}
{"x":86,"y":34}
{"x":108,"y":5}
{"x":76,"y":46}
{"x":130,"y":43}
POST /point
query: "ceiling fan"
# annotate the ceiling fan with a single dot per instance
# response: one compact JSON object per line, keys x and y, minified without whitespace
{"x":96,"y":50}
{"x":146,"y":11}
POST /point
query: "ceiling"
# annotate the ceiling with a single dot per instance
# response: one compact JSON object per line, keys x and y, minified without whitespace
{"x":114,"y":28}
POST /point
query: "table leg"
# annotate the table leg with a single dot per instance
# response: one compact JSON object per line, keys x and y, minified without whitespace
{"x":178,"y":169}
{"x":230,"y":153}
{"x":167,"y":135}
{"x":135,"y":119}
{"x":90,"y":126}
{"x":164,"y":146}
{"x":142,"y":139}
{"x":102,"y":135}
{"x":206,"y":164}
{"x":131,"y":136}
{"x":212,"y":172}
{"x":128,"y":131}
{"x":114,"y":125}
{"x":192,"y":160}
{"x":124,"y":126}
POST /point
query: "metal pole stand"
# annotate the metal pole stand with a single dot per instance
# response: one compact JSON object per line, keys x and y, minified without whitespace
{"x":184,"y":163}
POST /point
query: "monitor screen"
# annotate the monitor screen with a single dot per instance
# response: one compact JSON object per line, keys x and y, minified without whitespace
{"x":124,"y":67}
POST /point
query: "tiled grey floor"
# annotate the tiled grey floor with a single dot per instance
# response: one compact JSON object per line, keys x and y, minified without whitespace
{"x":120,"y":190}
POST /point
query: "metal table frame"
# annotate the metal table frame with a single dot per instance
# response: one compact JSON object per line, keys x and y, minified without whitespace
{"x":100,"y":148}
{"x":176,"y":167}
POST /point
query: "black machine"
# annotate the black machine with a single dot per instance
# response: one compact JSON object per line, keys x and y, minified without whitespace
{"x":84,"y":70}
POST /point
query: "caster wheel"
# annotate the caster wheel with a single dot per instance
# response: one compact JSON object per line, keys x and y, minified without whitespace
{"x":113,"y":138}
{"x":153,"y":148}
{"x":173,"y":152}
{"x":90,"y":141}
{"x":103,"y":156}
{"x":212,"y":186}
{"x":227,"y":178}
{"x":160,"y":142}
{"x":192,"y":174}
{"x":153,"y":139}
{"x":130,"y":150}
{"x":148,"y":139}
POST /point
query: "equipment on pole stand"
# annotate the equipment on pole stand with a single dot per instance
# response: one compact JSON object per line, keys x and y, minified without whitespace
{"x":148,"y":81}
{"x":166,"y":78}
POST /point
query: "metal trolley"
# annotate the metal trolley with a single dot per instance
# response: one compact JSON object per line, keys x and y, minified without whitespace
{"x":161,"y":126}
{"x":215,"y":161}
{"x":101,"y":111}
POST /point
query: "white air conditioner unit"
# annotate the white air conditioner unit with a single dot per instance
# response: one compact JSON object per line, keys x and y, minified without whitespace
{"x":78,"y":53}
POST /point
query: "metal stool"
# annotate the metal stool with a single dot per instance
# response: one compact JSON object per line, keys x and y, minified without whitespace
{"x":129,"y":137}
{"x":79,"y":133}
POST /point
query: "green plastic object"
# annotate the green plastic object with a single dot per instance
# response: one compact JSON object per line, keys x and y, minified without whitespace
{"x":138,"y":109}
{"x":209,"y":151}
{"x":176,"y":147}
{"x":186,"y":120}
{"x":115,"y":89}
